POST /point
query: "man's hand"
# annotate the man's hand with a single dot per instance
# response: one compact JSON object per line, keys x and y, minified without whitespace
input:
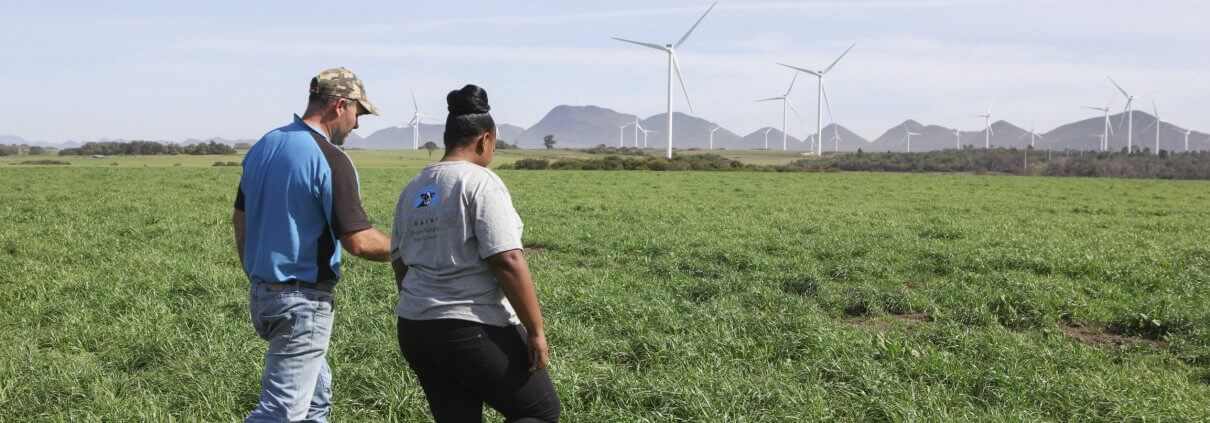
{"x":369,"y":244}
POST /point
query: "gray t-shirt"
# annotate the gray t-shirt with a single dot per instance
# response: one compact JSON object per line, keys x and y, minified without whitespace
{"x":450,"y":218}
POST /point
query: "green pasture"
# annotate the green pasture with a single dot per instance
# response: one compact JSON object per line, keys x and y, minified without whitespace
{"x":679,"y":296}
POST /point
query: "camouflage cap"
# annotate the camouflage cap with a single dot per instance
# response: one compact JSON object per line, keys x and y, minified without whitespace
{"x":340,"y":82}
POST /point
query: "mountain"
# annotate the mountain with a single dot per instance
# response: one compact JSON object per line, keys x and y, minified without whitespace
{"x":510,"y":132}
{"x":12,"y":139}
{"x":1086,"y":134}
{"x":398,"y":138}
{"x":578,"y":127}
{"x":848,"y":140}
{"x":691,"y":132}
{"x":756,"y":140}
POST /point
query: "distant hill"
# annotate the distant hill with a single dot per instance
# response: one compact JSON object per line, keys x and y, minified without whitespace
{"x":399,"y":137}
{"x":756,"y":140}
{"x":589,"y":126}
{"x":578,"y":127}
{"x":12,"y":139}
{"x":689,"y":132}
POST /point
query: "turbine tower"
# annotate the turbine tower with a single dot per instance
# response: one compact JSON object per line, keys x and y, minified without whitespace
{"x":417,"y":117}
{"x":1187,"y":132}
{"x":767,"y":129}
{"x":636,"y":132}
{"x":621,"y":128}
{"x":1129,"y":117}
{"x":719,"y":127}
{"x":820,"y":94}
{"x":785,"y":101}
{"x":645,"y":132}
{"x":988,"y":132}
{"x":958,"y":138}
{"x":907,"y":136}
{"x":1157,"y":124}
{"x":673,"y":65}
{"x":1108,"y":128}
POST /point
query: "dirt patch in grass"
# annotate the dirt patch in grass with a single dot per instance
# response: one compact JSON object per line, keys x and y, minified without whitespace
{"x":1091,"y":333}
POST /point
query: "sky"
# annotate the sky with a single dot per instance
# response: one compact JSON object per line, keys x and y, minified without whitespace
{"x":236,"y":69}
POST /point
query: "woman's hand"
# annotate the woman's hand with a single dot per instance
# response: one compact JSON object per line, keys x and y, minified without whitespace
{"x":537,"y":352}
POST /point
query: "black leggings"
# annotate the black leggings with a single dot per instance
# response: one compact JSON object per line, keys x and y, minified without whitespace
{"x":463,"y":364}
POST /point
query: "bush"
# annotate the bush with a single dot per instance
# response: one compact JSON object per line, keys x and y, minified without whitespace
{"x":44,"y":162}
{"x":222,"y":163}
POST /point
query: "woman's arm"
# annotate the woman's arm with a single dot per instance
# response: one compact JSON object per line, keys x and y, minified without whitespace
{"x":512,"y":271}
{"x":401,"y":270}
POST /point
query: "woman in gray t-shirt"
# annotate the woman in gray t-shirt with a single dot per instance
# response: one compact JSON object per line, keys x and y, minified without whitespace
{"x":464,"y":286}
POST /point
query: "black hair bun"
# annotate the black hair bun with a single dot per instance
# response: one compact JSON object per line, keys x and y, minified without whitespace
{"x":471,"y":99}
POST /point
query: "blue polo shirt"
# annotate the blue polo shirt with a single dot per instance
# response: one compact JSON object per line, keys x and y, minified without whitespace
{"x":299,"y":194}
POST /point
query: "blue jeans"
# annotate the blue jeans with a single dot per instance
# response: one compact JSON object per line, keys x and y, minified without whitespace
{"x":297,"y":323}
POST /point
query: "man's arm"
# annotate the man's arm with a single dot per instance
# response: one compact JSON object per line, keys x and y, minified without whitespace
{"x":240,"y":226}
{"x":369,"y":244}
{"x":512,"y":271}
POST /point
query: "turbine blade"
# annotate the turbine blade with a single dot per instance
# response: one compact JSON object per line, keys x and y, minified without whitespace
{"x":838,"y":58}
{"x":791,"y":104}
{"x":1115,"y":83}
{"x":792,"y":81}
{"x":414,"y":106}
{"x":695,"y":24}
{"x":824,"y":89}
{"x":800,"y":69}
{"x":654,"y":46}
{"x":677,"y":64}
{"x":1155,"y":109}
{"x":1040,"y":136}
{"x":769,"y":99}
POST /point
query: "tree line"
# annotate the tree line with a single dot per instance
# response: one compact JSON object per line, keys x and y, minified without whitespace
{"x":146,"y":148}
{"x":1194,"y":165}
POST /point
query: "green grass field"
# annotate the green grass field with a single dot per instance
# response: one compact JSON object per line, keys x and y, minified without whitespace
{"x":676,"y":296}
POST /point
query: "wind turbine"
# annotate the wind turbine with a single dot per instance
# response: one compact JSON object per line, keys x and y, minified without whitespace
{"x":785,"y":101}
{"x":645,"y":132}
{"x":819,"y":102}
{"x":673,"y":65}
{"x":1157,"y":124}
{"x":987,"y":133}
{"x":835,"y":138}
{"x":1032,"y":133}
{"x":636,"y":132}
{"x":1187,"y":132}
{"x":1129,"y":117}
{"x":767,"y":129}
{"x":958,"y":138}
{"x":907,"y":136}
{"x":1108,"y":128}
{"x":417,"y":117}
{"x":719,"y":127}
{"x":621,"y":143}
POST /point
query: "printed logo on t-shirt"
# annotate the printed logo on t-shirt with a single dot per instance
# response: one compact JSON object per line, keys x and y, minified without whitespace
{"x":427,"y":196}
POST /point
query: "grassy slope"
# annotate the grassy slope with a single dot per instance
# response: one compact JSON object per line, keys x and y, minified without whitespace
{"x":669,"y":296}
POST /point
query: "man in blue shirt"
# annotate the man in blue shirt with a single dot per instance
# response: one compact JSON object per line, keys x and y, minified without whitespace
{"x":298,"y":203}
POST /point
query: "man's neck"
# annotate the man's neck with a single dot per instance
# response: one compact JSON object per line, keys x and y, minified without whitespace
{"x":315,"y":121}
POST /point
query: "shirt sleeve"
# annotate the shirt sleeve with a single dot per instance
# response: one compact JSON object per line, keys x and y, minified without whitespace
{"x":347,"y":213}
{"x":497,"y":226}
